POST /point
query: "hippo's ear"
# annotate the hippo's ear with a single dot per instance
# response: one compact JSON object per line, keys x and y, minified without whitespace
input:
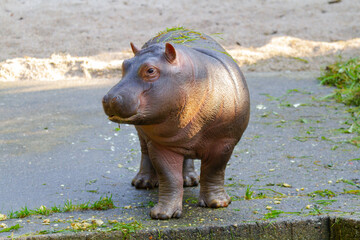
{"x":170,"y":53}
{"x":134,"y":49}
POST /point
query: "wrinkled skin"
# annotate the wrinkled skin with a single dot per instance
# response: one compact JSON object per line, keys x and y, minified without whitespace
{"x":186,"y":102}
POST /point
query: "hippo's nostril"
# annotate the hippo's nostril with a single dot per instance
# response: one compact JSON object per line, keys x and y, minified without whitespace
{"x":116,"y":100}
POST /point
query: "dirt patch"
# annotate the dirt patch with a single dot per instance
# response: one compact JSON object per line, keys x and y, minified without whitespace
{"x":54,"y":40}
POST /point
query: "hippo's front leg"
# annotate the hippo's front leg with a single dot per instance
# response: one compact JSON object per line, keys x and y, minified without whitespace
{"x":168,"y":166}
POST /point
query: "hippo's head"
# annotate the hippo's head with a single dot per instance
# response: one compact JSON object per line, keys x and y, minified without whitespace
{"x":150,"y":89}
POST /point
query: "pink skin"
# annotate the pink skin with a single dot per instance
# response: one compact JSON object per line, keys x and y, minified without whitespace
{"x":188,"y":106}
{"x":147,"y":178}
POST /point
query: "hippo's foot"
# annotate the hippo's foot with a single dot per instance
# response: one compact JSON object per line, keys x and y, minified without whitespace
{"x":166,"y":212}
{"x":216,"y":199}
{"x":190,"y":178}
{"x":145,"y":181}
{"x":149,"y":181}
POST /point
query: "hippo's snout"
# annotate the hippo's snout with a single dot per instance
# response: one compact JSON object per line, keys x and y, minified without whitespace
{"x":119,"y":106}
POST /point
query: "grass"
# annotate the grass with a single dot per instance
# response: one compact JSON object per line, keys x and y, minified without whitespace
{"x":103,"y":203}
{"x":125,"y":228}
{"x":348,"y":182}
{"x":15,"y":227}
{"x":276,"y":213}
{"x":345,"y":76}
{"x":322,"y":193}
{"x":248,"y":192}
{"x":324,"y":202}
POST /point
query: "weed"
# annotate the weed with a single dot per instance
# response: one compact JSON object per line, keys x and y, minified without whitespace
{"x":303,"y":138}
{"x":235,"y":185}
{"x":55,"y":209}
{"x":125,"y":228}
{"x":248,"y":192}
{"x":151,"y":204}
{"x":323,"y":193}
{"x":348,"y":182}
{"x":325,"y":202}
{"x":68,"y":206}
{"x":345,"y":75}
{"x":103,"y":204}
{"x":261,"y":196}
{"x":43,"y":210}
{"x":278,"y":194}
{"x":276,"y":213}
{"x":316,"y":210}
{"x":24,"y":212}
{"x":192,"y":200}
{"x":236,"y":198}
{"x":15,"y":227}
{"x":355,"y":192}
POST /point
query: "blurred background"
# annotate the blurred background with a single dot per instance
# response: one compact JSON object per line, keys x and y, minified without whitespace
{"x":55,"y":40}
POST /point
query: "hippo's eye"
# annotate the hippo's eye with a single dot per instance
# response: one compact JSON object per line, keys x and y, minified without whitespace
{"x":149,"y":73}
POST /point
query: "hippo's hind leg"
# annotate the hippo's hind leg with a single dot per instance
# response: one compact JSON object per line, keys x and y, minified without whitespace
{"x":212,"y":192}
{"x":191,"y":178}
{"x":146,"y":177}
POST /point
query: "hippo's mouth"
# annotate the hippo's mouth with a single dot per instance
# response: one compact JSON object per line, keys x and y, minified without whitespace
{"x":134,"y":119}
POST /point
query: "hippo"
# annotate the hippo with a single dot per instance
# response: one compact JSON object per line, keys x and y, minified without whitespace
{"x":187,"y":99}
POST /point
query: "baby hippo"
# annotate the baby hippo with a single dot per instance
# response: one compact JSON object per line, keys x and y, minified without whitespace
{"x":187,"y":99}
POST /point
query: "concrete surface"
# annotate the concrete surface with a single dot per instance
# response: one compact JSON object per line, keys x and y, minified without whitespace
{"x":57,"y":145}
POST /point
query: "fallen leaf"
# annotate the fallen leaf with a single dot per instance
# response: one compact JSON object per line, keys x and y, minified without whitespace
{"x":46,"y":221}
{"x":3,"y":217}
{"x":98,"y":222}
{"x":3,"y":225}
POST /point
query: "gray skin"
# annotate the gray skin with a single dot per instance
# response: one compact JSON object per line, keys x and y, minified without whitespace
{"x":188,"y":100}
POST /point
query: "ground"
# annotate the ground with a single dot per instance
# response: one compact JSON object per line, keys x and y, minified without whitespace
{"x":295,"y":164}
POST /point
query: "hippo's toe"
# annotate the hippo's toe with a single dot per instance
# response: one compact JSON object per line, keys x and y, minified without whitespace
{"x":191,"y":179}
{"x":214,"y":200}
{"x":158,"y":212}
{"x":145,"y":181}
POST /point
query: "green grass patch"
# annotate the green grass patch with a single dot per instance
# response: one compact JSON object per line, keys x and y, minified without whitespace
{"x":15,"y":227}
{"x":324,"y":202}
{"x":345,"y":76}
{"x":125,"y":228}
{"x":248,"y":192}
{"x":322,"y":193}
{"x":348,"y":182}
{"x":276,"y":213}
{"x":103,"y":203}
{"x":355,"y":192}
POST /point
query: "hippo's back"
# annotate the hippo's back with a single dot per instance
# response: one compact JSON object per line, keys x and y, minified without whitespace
{"x":187,"y":38}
